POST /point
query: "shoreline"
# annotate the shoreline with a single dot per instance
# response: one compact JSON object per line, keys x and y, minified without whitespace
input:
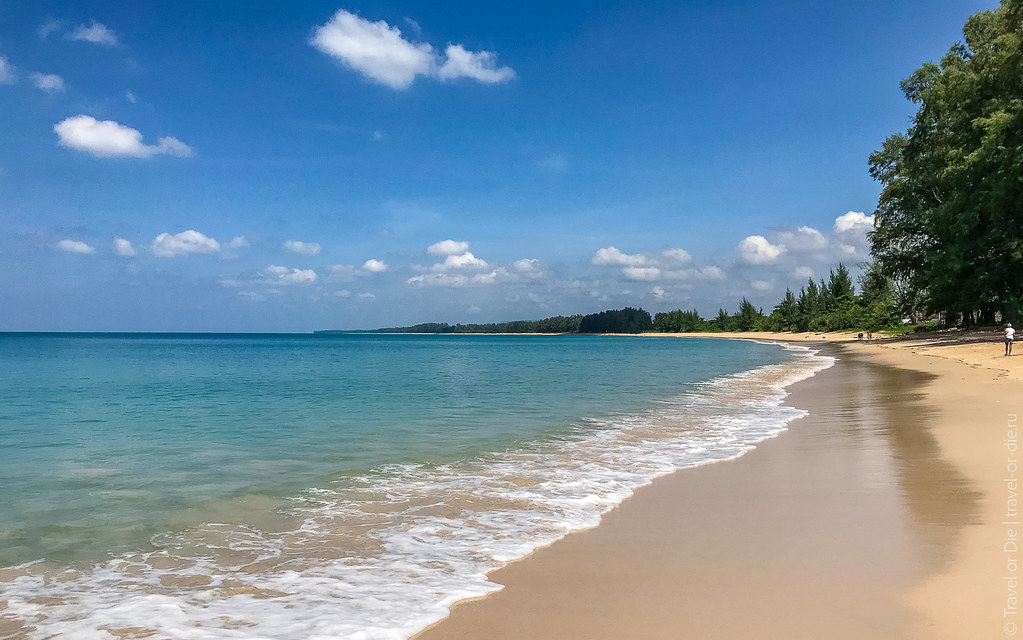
{"x":889,"y":494}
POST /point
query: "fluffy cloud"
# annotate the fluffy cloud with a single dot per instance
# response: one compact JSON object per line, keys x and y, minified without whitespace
{"x":460,"y":268}
{"x":74,"y":246}
{"x":7,"y":75}
{"x":455,"y":279}
{"x":461,"y":261}
{"x":801,"y":240}
{"x":612,"y":256}
{"x":107,"y":138}
{"x":379,"y":52}
{"x":284,"y":275}
{"x":123,"y":248}
{"x":856,"y":221}
{"x":677,"y":256}
{"x":447,"y":248}
{"x":641,"y":273}
{"x":304,"y":248}
{"x":48,"y":82}
{"x":477,"y":65}
{"x":96,"y":33}
{"x":757,"y":250}
{"x":374,"y":266}
{"x":761,"y":285}
{"x":181,"y":244}
{"x":671,"y":264}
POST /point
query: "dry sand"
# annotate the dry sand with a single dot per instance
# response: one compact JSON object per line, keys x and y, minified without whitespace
{"x":885,"y":513}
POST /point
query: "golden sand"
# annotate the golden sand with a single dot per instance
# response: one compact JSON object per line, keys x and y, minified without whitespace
{"x":887,"y":512}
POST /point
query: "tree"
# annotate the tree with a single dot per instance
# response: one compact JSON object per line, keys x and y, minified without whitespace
{"x":627,"y":320}
{"x":749,"y":317}
{"x":787,"y":313}
{"x":947,"y":224}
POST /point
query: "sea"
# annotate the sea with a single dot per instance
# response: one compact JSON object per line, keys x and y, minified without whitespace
{"x":355,"y":486}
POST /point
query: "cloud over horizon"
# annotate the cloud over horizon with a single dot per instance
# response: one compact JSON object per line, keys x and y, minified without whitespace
{"x":166,"y":245}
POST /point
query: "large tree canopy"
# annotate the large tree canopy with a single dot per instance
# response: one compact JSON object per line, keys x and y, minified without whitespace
{"x":948,"y":218}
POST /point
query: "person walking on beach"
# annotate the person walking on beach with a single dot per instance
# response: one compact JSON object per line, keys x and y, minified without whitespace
{"x":1009,"y":334}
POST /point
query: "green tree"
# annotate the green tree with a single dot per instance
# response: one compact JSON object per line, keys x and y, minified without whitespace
{"x":786,"y":313}
{"x":947,"y":224}
{"x":748,"y":317}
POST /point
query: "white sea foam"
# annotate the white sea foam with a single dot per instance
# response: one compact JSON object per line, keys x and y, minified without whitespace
{"x":385,"y":554}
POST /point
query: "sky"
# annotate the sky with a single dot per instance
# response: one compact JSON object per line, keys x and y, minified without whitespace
{"x":276,"y":166}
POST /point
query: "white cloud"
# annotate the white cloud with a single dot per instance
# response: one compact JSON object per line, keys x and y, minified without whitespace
{"x":374,"y":49}
{"x":48,"y":82}
{"x":448,"y":248}
{"x":677,"y":256}
{"x":374,"y":266}
{"x":761,"y":285}
{"x":462,"y":261}
{"x":284,"y":275}
{"x":238,"y":242}
{"x":641,"y":273}
{"x":365,"y":295}
{"x":341,"y":273}
{"x":658,"y":292}
{"x":803,"y":272}
{"x":96,"y":33}
{"x":378,"y":51}
{"x":455,"y":279}
{"x":757,"y":250}
{"x":801,"y":240}
{"x":107,"y":138}
{"x":123,"y":247}
{"x":130,"y":97}
{"x":74,"y":246}
{"x":612,"y":256}
{"x":854,"y":221}
{"x":528,"y":266}
{"x":304,"y":248}
{"x":343,"y":293}
{"x":7,"y":75}
{"x":167,"y":246}
{"x":478,"y":65}
{"x":49,"y":27}
{"x":709,"y":273}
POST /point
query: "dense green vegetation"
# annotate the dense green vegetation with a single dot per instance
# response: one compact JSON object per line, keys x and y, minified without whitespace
{"x":627,"y":320}
{"x":556,"y":324}
{"x":947,"y":226}
{"x":826,"y":305}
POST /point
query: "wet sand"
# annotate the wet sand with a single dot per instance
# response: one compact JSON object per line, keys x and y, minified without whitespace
{"x":878,"y":515}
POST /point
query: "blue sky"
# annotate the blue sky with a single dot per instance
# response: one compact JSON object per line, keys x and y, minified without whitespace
{"x":272,"y":166}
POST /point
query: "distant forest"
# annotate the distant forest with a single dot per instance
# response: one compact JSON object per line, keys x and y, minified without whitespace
{"x":824,"y":305}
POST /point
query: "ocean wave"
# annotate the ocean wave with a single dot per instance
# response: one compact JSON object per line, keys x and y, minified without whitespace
{"x":383,"y":554}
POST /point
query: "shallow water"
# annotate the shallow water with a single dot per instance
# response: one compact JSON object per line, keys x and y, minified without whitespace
{"x":334,"y":486}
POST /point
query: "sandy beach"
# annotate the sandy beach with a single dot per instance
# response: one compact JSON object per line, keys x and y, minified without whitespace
{"x":889,"y":511}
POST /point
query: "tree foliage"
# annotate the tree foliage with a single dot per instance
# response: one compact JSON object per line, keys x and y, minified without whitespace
{"x":947,"y":224}
{"x":627,"y":320}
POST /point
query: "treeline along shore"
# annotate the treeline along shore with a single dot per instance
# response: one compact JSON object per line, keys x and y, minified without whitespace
{"x":824,"y":305}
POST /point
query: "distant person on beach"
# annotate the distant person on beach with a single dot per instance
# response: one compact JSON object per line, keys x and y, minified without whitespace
{"x":1009,"y":334}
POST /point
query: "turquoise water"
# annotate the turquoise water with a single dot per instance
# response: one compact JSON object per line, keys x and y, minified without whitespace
{"x":129,"y":461}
